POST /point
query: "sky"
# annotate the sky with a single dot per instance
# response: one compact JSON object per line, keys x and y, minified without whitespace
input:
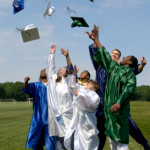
{"x":123,"y":24}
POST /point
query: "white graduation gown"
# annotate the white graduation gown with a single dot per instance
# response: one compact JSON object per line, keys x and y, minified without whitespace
{"x":84,"y":122}
{"x":60,"y":98}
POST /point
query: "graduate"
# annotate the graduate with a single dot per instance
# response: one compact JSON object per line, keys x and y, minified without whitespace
{"x":120,"y":86}
{"x":83,"y":124}
{"x":101,"y":78}
{"x":38,"y":135}
{"x":84,"y":75}
{"x":60,"y":99}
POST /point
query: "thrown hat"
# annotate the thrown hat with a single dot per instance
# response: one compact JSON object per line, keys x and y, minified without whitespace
{"x":70,"y":10}
{"x":18,"y":5}
{"x":30,"y":33}
{"x":49,"y":10}
{"x":79,"y":21}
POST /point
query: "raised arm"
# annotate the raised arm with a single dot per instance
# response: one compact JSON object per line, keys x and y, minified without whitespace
{"x":26,"y":80}
{"x":66,"y":54}
{"x":102,"y":57}
{"x":92,"y":50}
{"x":142,"y":65}
{"x":73,"y":84}
{"x":50,"y":62}
{"x":29,"y":88}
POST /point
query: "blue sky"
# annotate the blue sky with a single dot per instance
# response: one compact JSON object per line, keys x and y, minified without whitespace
{"x":124,"y":24}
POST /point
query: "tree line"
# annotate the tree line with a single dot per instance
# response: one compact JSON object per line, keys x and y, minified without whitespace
{"x":10,"y":90}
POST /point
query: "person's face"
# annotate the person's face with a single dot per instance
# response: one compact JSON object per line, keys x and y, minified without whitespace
{"x":125,"y":61}
{"x":62,"y":72}
{"x":43,"y":73}
{"x":84,"y":75}
{"x":115,"y":55}
{"x":89,"y":86}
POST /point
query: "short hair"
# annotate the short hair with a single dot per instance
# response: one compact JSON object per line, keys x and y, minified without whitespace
{"x":117,"y":51}
{"x":88,"y":73}
{"x":134,"y":62}
{"x":95,"y":85}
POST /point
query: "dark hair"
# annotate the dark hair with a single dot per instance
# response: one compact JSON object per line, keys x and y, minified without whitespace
{"x":95,"y":85}
{"x":60,"y":78}
{"x":134,"y":62}
{"x":88,"y":74}
{"x":117,"y":51}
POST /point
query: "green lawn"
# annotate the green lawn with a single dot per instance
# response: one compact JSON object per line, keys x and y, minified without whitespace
{"x":15,"y":121}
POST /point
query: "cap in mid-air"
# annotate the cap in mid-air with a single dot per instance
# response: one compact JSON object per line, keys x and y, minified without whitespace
{"x":79,"y":21}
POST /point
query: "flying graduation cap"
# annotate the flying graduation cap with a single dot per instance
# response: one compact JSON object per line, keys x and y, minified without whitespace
{"x":49,"y":10}
{"x":70,"y":10}
{"x":91,"y":0}
{"x":79,"y":21}
{"x":18,"y":5}
{"x":29,"y":33}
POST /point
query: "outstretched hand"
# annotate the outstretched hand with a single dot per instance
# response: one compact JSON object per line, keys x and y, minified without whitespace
{"x":94,"y":33}
{"x":94,"y":36}
{"x":75,"y":70}
{"x":143,"y":61}
{"x":64,"y":52}
{"x":53,"y":49}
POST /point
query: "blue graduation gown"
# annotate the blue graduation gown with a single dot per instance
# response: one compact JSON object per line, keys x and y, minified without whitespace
{"x":38,"y":132}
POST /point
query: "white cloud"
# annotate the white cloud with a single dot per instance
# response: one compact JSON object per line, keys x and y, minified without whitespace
{"x":123,"y":3}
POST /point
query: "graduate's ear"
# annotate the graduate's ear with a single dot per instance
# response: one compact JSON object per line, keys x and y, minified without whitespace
{"x":88,"y":77}
{"x":130,"y":62}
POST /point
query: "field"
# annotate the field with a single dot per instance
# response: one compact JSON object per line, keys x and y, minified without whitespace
{"x":15,"y":122}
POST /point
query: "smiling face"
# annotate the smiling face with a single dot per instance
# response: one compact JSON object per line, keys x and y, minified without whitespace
{"x":62,"y":72}
{"x":125,"y":61}
{"x":115,"y":55}
{"x":84,"y":75}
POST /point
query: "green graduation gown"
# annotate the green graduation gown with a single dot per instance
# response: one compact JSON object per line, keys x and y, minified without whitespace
{"x":121,"y":84}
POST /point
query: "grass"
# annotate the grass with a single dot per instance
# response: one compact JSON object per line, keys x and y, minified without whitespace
{"x":15,"y":121}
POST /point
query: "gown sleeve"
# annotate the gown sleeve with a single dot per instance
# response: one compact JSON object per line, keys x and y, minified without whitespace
{"x":128,"y":89}
{"x":103,"y":58}
{"x":87,"y":100}
{"x":31,"y":90}
{"x":50,"y":65}
{"x":92,"y":51}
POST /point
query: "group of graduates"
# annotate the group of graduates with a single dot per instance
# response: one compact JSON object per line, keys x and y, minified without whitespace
{"x":77,"y":113}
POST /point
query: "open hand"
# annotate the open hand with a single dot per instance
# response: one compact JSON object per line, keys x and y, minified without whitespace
{"x":64,"y":52}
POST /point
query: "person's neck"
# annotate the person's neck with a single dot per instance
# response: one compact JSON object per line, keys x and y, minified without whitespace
{"x":44,"y":80}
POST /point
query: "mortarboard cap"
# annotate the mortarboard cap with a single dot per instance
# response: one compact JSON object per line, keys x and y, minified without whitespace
{"x":49,"y":10}
{"x":79,"y":21}
{"x":18,"y":5}
{"x":30,"y":33}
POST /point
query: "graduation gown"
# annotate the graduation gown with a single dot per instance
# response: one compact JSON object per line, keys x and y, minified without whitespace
{"x":60,"y":98}
{"x":83,"y":123}
{"x":38,"y":132}
{"x":121,"y":84}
